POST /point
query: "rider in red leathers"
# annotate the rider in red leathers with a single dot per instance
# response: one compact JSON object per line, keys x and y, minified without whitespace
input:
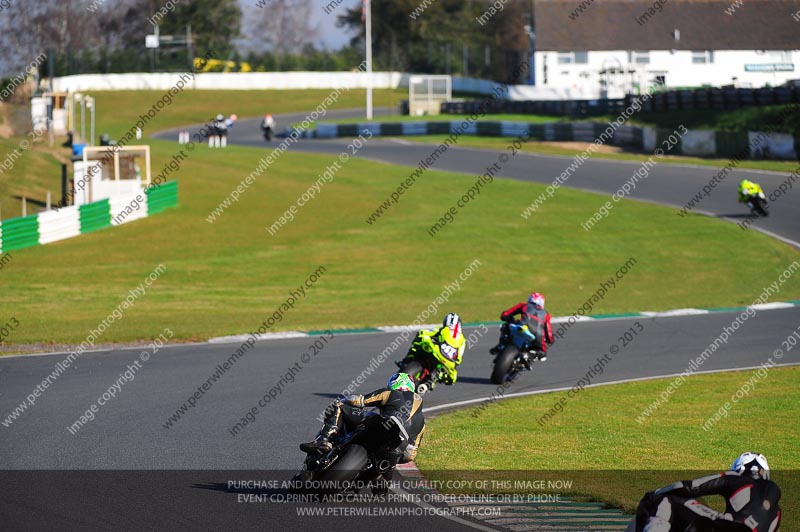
{"x":532,"y":314}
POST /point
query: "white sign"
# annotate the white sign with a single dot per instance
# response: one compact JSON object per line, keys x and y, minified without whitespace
{"x":770,"y":67}
{"x":151,"y":41}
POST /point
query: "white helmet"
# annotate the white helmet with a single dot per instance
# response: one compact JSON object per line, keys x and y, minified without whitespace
{"x":536,"y":299}
{"x":453,"y":322}
{"x":752,"y":464}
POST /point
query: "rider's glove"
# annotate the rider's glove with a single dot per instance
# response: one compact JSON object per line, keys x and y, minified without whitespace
{"x":353,"y":400}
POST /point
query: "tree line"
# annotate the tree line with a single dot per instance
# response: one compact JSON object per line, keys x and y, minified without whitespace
{"x":102,"y":36}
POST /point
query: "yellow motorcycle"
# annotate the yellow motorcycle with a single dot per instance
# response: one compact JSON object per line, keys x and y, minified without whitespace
{"x":433,"y":357}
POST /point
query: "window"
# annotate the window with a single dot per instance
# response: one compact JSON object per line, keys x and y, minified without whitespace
{"x":783,"y":56}
{"x":571,"y":58}
{"x":639,"y":58}
{"x":702,"y":56}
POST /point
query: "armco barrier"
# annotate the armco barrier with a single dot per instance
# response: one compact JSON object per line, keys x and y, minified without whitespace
{"x":68,"y":222}
{"x":703,"y":143}
{"x":732,"y":143}
{"x":673,"y":100}
{"x":550,"y":131}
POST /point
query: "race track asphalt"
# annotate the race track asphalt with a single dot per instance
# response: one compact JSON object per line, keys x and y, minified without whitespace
{"x":145,"y":476}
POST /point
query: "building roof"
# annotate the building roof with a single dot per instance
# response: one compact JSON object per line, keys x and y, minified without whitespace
{"x":703,"y":25}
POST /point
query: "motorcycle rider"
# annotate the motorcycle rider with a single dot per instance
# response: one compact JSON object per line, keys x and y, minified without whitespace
{"x":398,"y":399}
{"x":231,"y":121}
{"x":748,"y":189}
{"x":532,"y":314}
{"x":268,"y":126}
{"x":751,"y":501}
{"x":450,"y":342}
{"x":218,"y":127}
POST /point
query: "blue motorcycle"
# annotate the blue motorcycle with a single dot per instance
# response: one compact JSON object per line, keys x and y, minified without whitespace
{"x":517,"y":355}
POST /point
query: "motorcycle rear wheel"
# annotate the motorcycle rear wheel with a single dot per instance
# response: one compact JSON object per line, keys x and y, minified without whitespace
{"x":413,"y":368}
{"x":348,"y":466}
{"x":759,"y":206}
{"x":502,"y":364}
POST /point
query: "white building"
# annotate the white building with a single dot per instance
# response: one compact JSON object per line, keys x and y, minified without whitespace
{"x":613,"y":47}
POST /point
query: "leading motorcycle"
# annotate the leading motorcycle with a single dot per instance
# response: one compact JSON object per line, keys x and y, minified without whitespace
{"x":518,"y":354}
{"x":758,"y":204}
{"x":268,"y":127}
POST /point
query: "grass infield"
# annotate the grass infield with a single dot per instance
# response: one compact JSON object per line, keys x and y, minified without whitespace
{"x":610,"y":455}
{"x":226,"y":277}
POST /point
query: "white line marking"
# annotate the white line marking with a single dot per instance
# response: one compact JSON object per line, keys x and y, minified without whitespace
{"x":399,"y":328}
{"x":623,"y":381}
{"x":771,"y":306}
{"x":562,"y":319}
{"x":677,"y":312}
{"x":458,"y":520}
{"x":393,"y":328}
{"x":267,"y":336}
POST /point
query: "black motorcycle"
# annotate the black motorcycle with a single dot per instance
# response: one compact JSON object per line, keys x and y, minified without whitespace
{"x":267,"y":130}
{"x":758,"y":204}
{"x":268,"y":127}
{"x":517,"y":355}
{"x":428,"y":362}
{"x":359,"y":458}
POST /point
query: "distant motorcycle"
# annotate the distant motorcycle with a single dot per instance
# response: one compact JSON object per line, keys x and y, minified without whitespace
{"x":517,"y":356}
{"x":758,"y":204}
{"x":268,"y":127}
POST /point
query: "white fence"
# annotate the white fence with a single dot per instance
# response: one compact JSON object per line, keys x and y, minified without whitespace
{"x":291,"y":81}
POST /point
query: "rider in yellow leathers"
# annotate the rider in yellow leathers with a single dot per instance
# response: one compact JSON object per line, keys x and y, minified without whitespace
{"x":748,"y":189}
{"x":440,"y":351}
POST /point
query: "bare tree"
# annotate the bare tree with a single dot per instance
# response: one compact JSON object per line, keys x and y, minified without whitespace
{"x":30,"y":28}
{"x":281,"y":26}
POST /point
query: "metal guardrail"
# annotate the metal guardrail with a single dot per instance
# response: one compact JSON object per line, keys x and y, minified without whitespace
{"x":703,"y":98}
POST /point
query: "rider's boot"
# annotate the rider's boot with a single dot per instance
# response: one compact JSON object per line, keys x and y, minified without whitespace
{"x":527,"y":361}
{"x":496,"y":350}
{"x":322,"y":442}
